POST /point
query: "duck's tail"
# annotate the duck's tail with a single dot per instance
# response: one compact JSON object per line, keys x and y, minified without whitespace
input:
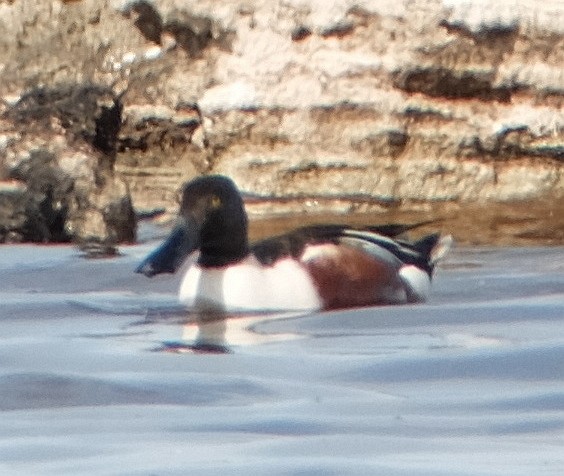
{"x":417,"y":274}
{"x":441,"y":249}
{"x":430,"y":250}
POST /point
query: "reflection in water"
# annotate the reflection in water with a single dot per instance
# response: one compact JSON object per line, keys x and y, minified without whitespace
{"x":217,"y":332}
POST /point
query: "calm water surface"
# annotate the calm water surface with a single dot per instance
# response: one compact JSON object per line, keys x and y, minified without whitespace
{"x":98,"y":376}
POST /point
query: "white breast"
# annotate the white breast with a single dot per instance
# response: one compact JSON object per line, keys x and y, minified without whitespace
{"x":249,"y":286}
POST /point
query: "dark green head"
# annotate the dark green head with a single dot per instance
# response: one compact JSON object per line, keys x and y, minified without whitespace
{"x":212,"y":220}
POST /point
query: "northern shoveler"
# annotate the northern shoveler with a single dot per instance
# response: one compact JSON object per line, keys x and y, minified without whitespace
{"x":311,"y":268}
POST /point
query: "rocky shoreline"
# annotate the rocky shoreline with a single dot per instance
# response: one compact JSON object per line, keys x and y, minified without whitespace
{"x":429,"y":109}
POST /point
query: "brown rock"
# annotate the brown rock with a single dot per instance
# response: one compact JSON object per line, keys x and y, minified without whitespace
{"x":311,"y":106}
{"x":62,"y":151}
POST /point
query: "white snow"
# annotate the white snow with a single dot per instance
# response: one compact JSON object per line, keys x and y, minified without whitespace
{"x":238,"y":95}
{"x":479,"y":14}
{"x":539,"y":121}
{"x":471,"y":383}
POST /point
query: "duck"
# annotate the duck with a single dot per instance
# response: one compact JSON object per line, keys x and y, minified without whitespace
{"x":311,"y":268}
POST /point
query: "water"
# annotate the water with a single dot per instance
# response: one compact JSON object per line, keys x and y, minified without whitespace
{"x":98,"y":376}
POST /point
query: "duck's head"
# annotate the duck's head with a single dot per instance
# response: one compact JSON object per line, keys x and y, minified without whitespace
{"x":212,"y":220}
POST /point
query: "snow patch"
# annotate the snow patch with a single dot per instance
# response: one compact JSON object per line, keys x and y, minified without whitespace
{"x":539,"y":121}
{"x":478,"y":15}
{"x":237,"y":95}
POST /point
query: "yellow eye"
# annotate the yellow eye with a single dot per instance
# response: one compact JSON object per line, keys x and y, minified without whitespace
{"x":215,"y":202}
